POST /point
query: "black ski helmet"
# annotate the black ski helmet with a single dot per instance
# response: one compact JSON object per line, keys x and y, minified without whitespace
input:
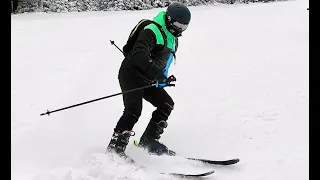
{"x":177,"y":18}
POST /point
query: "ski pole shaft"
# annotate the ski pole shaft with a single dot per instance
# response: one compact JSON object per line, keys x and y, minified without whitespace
{"x":136,"y":89}
{"x":112,"y":43}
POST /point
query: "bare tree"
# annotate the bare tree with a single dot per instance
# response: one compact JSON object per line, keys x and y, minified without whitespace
{"x":14,"y":5}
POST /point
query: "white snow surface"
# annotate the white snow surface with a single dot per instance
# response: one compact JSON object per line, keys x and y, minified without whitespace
{"x":242,"y":91}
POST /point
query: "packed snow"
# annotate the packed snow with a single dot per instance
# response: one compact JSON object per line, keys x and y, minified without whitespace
{"x":242,"y":91}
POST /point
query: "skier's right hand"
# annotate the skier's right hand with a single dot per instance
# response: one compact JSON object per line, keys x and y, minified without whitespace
{"x":161,"y":78}
{"x":166,"y":82}
{"x":160,"y":85}
{"x":161,"y":81}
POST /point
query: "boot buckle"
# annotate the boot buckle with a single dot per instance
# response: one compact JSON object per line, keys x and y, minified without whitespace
{"x":131,"y":133}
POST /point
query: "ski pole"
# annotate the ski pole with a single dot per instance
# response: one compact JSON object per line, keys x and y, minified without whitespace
{"x":112,"y":43}
{"x":136,"y":89}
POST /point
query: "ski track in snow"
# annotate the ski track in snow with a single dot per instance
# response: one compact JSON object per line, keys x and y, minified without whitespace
{"x":241,"y":92}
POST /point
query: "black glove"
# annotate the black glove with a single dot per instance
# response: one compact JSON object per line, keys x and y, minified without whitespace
{"x":161,"y":78}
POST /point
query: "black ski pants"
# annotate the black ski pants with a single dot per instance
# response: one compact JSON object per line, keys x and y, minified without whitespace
{"x":158,"y":97}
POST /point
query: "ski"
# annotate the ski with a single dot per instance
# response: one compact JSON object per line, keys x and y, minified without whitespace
{"x":181,"y":175}
{"x":215,"y":162}
{"x":131,"y":161}
{"x":206,"y":161}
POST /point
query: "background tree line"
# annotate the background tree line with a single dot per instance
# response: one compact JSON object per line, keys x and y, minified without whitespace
{"x":21,"y":6}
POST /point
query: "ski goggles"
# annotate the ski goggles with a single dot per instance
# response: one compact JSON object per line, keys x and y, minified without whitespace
{"x":179,"y":26}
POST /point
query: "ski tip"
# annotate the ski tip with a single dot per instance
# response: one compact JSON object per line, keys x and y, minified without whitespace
{"x":217,"y":162}
{"x":206,"y":174}
{"x":234,"y":161}
{"x":190,"y":175}
{"x":230,"y":162}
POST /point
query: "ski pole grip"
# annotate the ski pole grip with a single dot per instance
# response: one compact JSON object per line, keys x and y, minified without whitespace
{"x":171,"y":79}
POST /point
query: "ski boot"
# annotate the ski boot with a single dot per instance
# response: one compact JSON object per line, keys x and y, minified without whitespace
{"x":118,"y":144}
{"x":150,"y":139}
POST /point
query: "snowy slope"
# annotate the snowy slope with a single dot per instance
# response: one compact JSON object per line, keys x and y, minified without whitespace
{"x":242,"y":91}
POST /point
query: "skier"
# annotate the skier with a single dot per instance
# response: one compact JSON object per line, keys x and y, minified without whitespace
{"x":147,"y":62}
